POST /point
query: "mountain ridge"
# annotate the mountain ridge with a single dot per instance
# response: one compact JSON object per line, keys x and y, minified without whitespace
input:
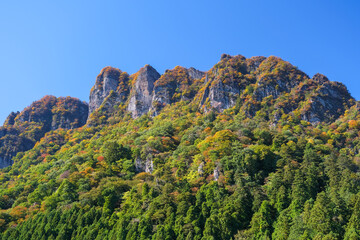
{"x":219,"y":88}
{"x":233,"y":77}
{"x":21,"y":130}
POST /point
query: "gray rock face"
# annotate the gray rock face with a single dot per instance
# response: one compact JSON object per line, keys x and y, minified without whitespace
{"x":106,"y":108}
{"x":149,"y":164}
{"x":276,"y":83}
{"x":10,"y":144}
{"x":277,"y":77}
{"x":162,"y":96}
{"x":139,"y":165}
{"x":252,"y":64}
{"x":149,"y":91}
{"x":216,"y":173}
{"x":275,"y":88}
{"x":146,"y":165}
{"x":195,"y":74}
{"x":201,"y":169}
{"x":328,"y":102}
{"x":72,"y":117}
{"x":235,"y":79}
{"x":221,"y":96}
{"x":142,"y":92}
{"x":225,"y":82}
{"x":109,"y":79}
{"x":173,"y":86}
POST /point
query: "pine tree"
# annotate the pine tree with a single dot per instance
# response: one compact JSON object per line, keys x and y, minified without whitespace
{"x":353,"y":226}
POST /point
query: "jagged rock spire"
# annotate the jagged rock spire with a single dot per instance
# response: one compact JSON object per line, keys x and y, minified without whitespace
{"x":142,"y":91}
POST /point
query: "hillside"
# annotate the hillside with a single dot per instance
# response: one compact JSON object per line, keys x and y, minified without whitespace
{"x":23,"y":129}
{"x":253,"y":148}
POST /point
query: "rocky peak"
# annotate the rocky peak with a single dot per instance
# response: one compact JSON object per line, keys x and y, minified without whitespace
{"x":173,"y":86}
{"x":10,"y":120}
{"x":195,"y":74}
{"x":254,"y":63}
{"x":109,"y":79}
{"x":142,"y":91}
{"x":249,"y":83}
{"x":224,"y":83}
{"x":22,"y":130}
{"x":225,"y":56}
{"x":276,"y":76}
{"x":328,"y":102}
{"x":282,"y":86}
{"x":53,"y":113}
{"x":319,"y":78}
{"x":69,"y":113}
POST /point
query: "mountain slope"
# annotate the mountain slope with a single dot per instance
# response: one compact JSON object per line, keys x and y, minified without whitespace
{"x":23,"y":129}
{"x":251,"y":149}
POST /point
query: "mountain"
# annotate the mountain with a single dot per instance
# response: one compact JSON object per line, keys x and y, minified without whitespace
{"x":22,"y":130}
{"x":248,"y":83}
{"x":253,"y":148}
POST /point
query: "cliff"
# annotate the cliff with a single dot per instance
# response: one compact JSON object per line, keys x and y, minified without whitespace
{"x":258,"y":86}
{"x":142,"y":91}
{"x":246,"y":84}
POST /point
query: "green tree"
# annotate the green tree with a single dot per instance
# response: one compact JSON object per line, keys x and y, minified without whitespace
{"x":353,"y":226}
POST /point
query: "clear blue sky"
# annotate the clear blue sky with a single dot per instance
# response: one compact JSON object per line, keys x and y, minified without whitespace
{"x":59,"y":47}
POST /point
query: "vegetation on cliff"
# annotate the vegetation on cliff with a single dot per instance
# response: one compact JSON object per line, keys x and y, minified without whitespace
{"x":276,"y":157}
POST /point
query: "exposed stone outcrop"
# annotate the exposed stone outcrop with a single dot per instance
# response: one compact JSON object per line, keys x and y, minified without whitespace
{"x":268,"y":87}
{"x":328,"y":101}
{"x":224,"y":83}
{"x":270,"y":80}
{"x":195,"y":74}
{"x":69,"y":113}
{"x":173,"y":86}
{"x":221,"y":96}
{"x":139,"y":165}
{"x":109,"y":79}
{"x":276,"y":77}
{"x":149,"y":164}
{"x":142,"y":91}
{"x":249,"y":83}
{"x":200,"y":169}
{"x":146,"y":165}
{"x":12,"y":143}
{"x":216,"y":173}
{"x":53,"y":113}
{"x":252,"y":64}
